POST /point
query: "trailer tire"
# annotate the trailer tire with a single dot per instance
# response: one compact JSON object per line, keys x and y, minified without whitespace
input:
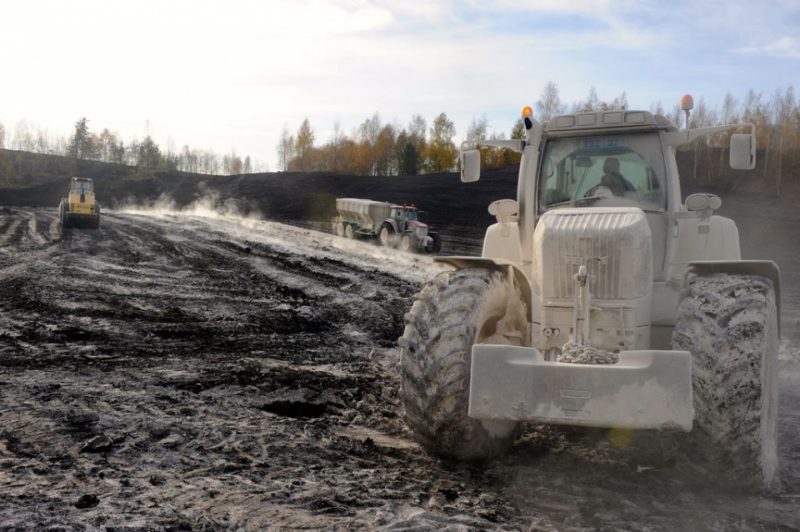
{"x":386,"y":235}
{"x":729,"y":323}
{"x":339,"y":228}
{"x":348,"y":231}
{"x":453,"y":312}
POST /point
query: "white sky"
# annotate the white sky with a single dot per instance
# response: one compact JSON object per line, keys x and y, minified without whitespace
{"x":230,"y":75}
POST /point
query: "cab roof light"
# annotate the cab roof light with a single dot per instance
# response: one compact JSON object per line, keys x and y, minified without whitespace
{"x":527,"y":115}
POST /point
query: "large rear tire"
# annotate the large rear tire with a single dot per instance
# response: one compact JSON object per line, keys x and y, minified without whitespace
{"x":730,"y":325}
{"x":62,"y":214}
{"x":453,"y":312}
{"x":386,"y":235}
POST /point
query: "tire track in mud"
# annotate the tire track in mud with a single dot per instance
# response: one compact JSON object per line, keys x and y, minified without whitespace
{"x":176,"y":371}
{"x":130,"y":280}
{"x":9,"y":235}
{"x":237,"y":382}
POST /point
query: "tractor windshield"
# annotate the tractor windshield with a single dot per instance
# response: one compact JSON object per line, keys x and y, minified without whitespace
{"x":608,"y":170}
{"x":82,"y":187}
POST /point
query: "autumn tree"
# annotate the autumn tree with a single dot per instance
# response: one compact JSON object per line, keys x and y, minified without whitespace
{"x":347,"y":154}
{"x":304,"y":144}
{"x":106,"y":145}
{"x":442,"y":152}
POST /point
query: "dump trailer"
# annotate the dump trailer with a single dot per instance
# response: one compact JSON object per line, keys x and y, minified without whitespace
{"x":391,"y":225}
{"x":80,"y":208}
{"x":603,"y":298}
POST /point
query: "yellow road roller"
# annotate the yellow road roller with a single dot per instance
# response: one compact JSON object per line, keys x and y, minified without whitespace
{"x":79,"y":208}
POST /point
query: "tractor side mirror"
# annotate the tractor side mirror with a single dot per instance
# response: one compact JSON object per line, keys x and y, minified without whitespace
{"x":743,"y":151}
{"x":703,"y":203}
{"x":504,"y":210}
{"x":470,"y":166}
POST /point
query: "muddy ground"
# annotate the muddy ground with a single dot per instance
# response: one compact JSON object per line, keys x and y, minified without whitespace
{"x":196,"y":372}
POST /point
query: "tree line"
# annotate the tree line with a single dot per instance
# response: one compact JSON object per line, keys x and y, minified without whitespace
{"x":106,"y":146}
{"x":382,"y":149}
{"x":376,"y":148}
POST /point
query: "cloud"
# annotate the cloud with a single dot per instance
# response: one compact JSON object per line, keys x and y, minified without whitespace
{"x":784,"y":47}
{"x":231,"y":76}
{"x":554,"y":6}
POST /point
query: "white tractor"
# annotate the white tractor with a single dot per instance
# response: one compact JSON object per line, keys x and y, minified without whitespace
{"x":602,"y":298}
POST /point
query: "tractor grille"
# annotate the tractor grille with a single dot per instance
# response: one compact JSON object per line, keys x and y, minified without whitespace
{"x":613,"y":243}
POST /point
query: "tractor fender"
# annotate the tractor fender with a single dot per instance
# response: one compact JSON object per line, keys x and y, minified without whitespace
{"x":499,"y":265}
{"x":763,"y":268}
{"x":393,"y":223}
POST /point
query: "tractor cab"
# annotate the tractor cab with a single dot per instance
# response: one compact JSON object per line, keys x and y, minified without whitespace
{"x":82,"y":185}
{"x":79,"y":208}
{"x":404,"y":213}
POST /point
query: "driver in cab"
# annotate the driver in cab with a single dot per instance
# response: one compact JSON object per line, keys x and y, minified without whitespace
{"x":613,"y":179}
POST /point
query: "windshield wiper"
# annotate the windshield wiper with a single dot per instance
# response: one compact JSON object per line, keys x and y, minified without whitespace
{"x":574,"y":201}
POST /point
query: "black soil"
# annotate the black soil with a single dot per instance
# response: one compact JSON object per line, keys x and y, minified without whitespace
{"x":186,"y":373}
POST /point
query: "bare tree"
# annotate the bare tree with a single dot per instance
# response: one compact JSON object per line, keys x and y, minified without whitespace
{"x":23,"y":137}
{"x":657,"y":108}
{"x":417,"y":135}
{"x":368,"y":133}
{"x":337,"y":138}
{"x":620,"y":103}
{"x":591,"y":103}
{"x":549,"y":103}
{"x":42,"y":141}
{"x":476,"y":132}
{"x":285,"y":149}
